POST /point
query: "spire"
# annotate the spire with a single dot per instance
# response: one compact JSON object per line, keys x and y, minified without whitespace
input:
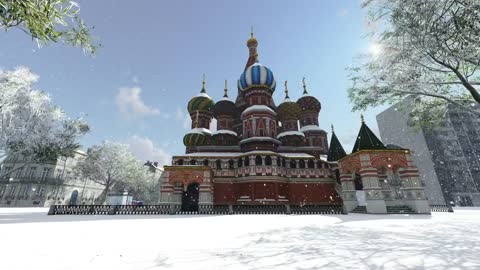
{"x":225,"y":90}
{"x":286,"y":90}
{"x":336,"y":151}
{"x":203,"y":85}
{"x":252,"y":44}
{"x":366,"y":139}
{"x":305,"y":88}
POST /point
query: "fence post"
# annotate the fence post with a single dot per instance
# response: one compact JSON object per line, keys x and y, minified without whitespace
{"x":288,"y":211}
{"x":230,"y":209}
{"x":51,"y":211}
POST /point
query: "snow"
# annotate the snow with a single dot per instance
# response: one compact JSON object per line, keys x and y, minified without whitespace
{"x":203,"y":95}
{"x":258,"y":108}
{"x":225,"y":131}
{"x":199,"y":131}
{"x":290,"y":133}
{"x":33,"y":240}
{"x":310,"y":128}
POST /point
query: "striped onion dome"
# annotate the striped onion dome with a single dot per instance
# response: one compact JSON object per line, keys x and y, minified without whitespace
{"x":196,"y":137}
{"x":257,"y":75}
{"x":201,"y":102}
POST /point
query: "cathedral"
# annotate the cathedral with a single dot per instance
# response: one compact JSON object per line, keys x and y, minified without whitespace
{"x":264,"y":154}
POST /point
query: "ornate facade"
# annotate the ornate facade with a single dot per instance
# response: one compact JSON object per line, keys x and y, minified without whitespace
{"x":262,"y":153}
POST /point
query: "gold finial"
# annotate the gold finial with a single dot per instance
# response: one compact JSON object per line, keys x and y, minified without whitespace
{"x":225,"y":90}
{"x":203,"y":84}
{"x":333,"y":130}
{"x":361,"y":118}
{"x":286,"y":89}
{"x":304,"y":86}
{"x":251,"y":31}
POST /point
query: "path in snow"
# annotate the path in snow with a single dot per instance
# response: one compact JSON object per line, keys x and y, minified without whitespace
{"x":29,"y":239}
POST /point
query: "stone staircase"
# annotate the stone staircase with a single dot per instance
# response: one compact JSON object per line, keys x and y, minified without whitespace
{"x":399,"y":209}
{"x":359,"y":210}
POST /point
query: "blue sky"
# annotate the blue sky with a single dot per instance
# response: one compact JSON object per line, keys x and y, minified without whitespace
{"x":136,"y":88}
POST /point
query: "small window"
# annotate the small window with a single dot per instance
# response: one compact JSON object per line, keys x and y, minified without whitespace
{"x":311,"y":164}
{"x":205,"y":162}
{"x":219,"y":164}
{"x":193,"y":162}
{"x":302,"y":164}
{"x":268,"y":160}
{"x":230,"y":164}
{"x":240,"y":162}
{"x":258,"y":160}
{"x":293,"y":164}
{"x":180,"y":162}
{"x":246,"y":162}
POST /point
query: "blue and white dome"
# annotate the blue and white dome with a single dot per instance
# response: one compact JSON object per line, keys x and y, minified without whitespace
{"x":257,"y":75}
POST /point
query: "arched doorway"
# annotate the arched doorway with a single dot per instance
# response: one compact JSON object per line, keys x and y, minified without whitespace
{"x":73,"y":198}
{"x":358,"y":184}
{"x":190,"y":198}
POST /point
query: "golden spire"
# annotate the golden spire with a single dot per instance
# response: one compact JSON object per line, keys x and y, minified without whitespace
{"x":361,"y":118}
{"x":304,"y":86}
{"x":203,"y":85}
{"x":251,"y":31}
{"x":286,"y":90}
{"x":225,"y":90}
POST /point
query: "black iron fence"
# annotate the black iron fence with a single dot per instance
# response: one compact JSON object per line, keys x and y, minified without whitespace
{"x":441,"y":208}
{"x":202,"y":209}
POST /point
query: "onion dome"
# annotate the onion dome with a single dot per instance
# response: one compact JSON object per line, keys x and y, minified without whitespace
{"x":201,"y":102}
{"x":257,"y":75}
{"x":307,"y":102}
{"x":196,"y":137}
{"x":225,"y":106}
{"x":288,"y":109}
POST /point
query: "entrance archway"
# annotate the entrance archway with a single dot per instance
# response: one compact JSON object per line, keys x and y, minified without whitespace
{"x":190,"y":198}
{"x":73,"y":198}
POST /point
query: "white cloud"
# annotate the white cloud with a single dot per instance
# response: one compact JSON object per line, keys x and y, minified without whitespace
{"x":145,"y":149}
{"x":130,"y":103}
{"x":184,"y":118}
{"x":213,"y":125}
{"x":343,"y":13}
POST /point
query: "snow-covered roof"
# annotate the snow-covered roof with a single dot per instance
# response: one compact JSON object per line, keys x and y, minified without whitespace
{"x":290,"y":133}
{"x":199,"y":131}
{"x":296,"y":155}
{"x":225,"y":131}
{"x":286,"y":100}
{"x":310,"y":128}
{"x":203,"y":95}
{"x":259,"y":139}
{"x":226,"y":99}
{"x":258,"y":108}
{"x":255,"y":152}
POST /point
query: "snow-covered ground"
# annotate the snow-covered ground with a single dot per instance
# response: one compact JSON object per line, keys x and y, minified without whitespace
{"x":29,"y":239}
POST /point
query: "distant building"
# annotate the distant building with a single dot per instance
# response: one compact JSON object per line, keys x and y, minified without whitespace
{"x":448,"y":157}
{"x":43,"y":184}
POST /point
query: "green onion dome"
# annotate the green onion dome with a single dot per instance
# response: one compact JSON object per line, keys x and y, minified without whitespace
{"x":201,"y":102}
{"x":196,"y":137}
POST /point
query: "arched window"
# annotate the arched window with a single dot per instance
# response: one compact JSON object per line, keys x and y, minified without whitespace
{"x":240,"y":162}
{"x":279,"y":161}
{"x":180,"y":162}
{"x":319,"y":164}
{"x":258,"y":160}
{"x":311,"y":165}
{"x":230,"y":164}
{"x":293,"y":164}
{"x":284,"y":163}
{"x":205,"y":162}
{"x":219,"y":164}
{"x":193,"y":162}
{"x":302,"y":164}
{"x":358,"y":182}
{"x":268,"y":160}
{"x":246,"y":161}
